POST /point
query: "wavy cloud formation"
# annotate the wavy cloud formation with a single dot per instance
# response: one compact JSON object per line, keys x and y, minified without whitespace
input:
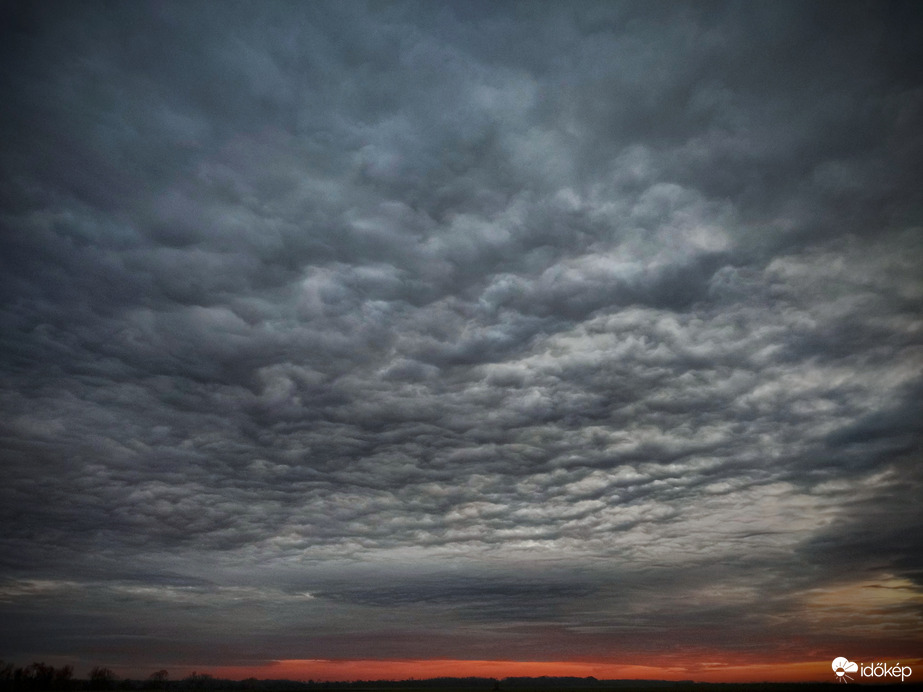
{"x":461,"y":331}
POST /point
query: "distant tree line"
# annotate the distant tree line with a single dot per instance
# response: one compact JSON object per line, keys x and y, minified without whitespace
{"x":39,"y":677}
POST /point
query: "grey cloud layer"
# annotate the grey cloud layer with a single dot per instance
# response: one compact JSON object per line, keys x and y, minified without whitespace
{"x":515,"y":319}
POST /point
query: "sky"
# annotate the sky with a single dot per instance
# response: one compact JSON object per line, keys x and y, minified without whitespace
{"x":348,"y":340}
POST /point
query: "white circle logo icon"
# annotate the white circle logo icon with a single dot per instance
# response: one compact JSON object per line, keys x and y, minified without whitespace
{"x":841,"y":666}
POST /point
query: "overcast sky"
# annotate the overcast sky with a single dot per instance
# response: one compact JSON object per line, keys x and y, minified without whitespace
{"x":467,"y":331}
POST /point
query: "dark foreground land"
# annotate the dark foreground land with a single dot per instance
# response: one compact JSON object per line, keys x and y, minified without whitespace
{"x":554,"y":685}
{"x":503,"y":685}
{"x":587,"y":685}
{"x":207,"y":683}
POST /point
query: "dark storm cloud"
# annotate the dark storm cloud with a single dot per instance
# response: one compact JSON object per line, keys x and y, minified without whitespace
{"x":574,"y":324}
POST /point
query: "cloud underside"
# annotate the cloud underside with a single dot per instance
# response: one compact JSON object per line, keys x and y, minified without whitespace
{"x":464,"y":332}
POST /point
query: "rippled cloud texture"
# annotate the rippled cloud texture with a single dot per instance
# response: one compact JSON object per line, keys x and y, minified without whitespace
{"x":460,"y":330}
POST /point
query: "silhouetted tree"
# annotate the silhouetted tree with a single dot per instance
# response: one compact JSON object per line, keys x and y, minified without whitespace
{"x":63,"y":677}
{"x":158,"y":680}
{"x":101,"y":678}
{"x":36,"y":676}
{"x":199,"y":681}
{"x":6,"y":675}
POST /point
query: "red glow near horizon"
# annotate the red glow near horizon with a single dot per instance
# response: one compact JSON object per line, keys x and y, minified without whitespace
{"x":346,"y":670}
